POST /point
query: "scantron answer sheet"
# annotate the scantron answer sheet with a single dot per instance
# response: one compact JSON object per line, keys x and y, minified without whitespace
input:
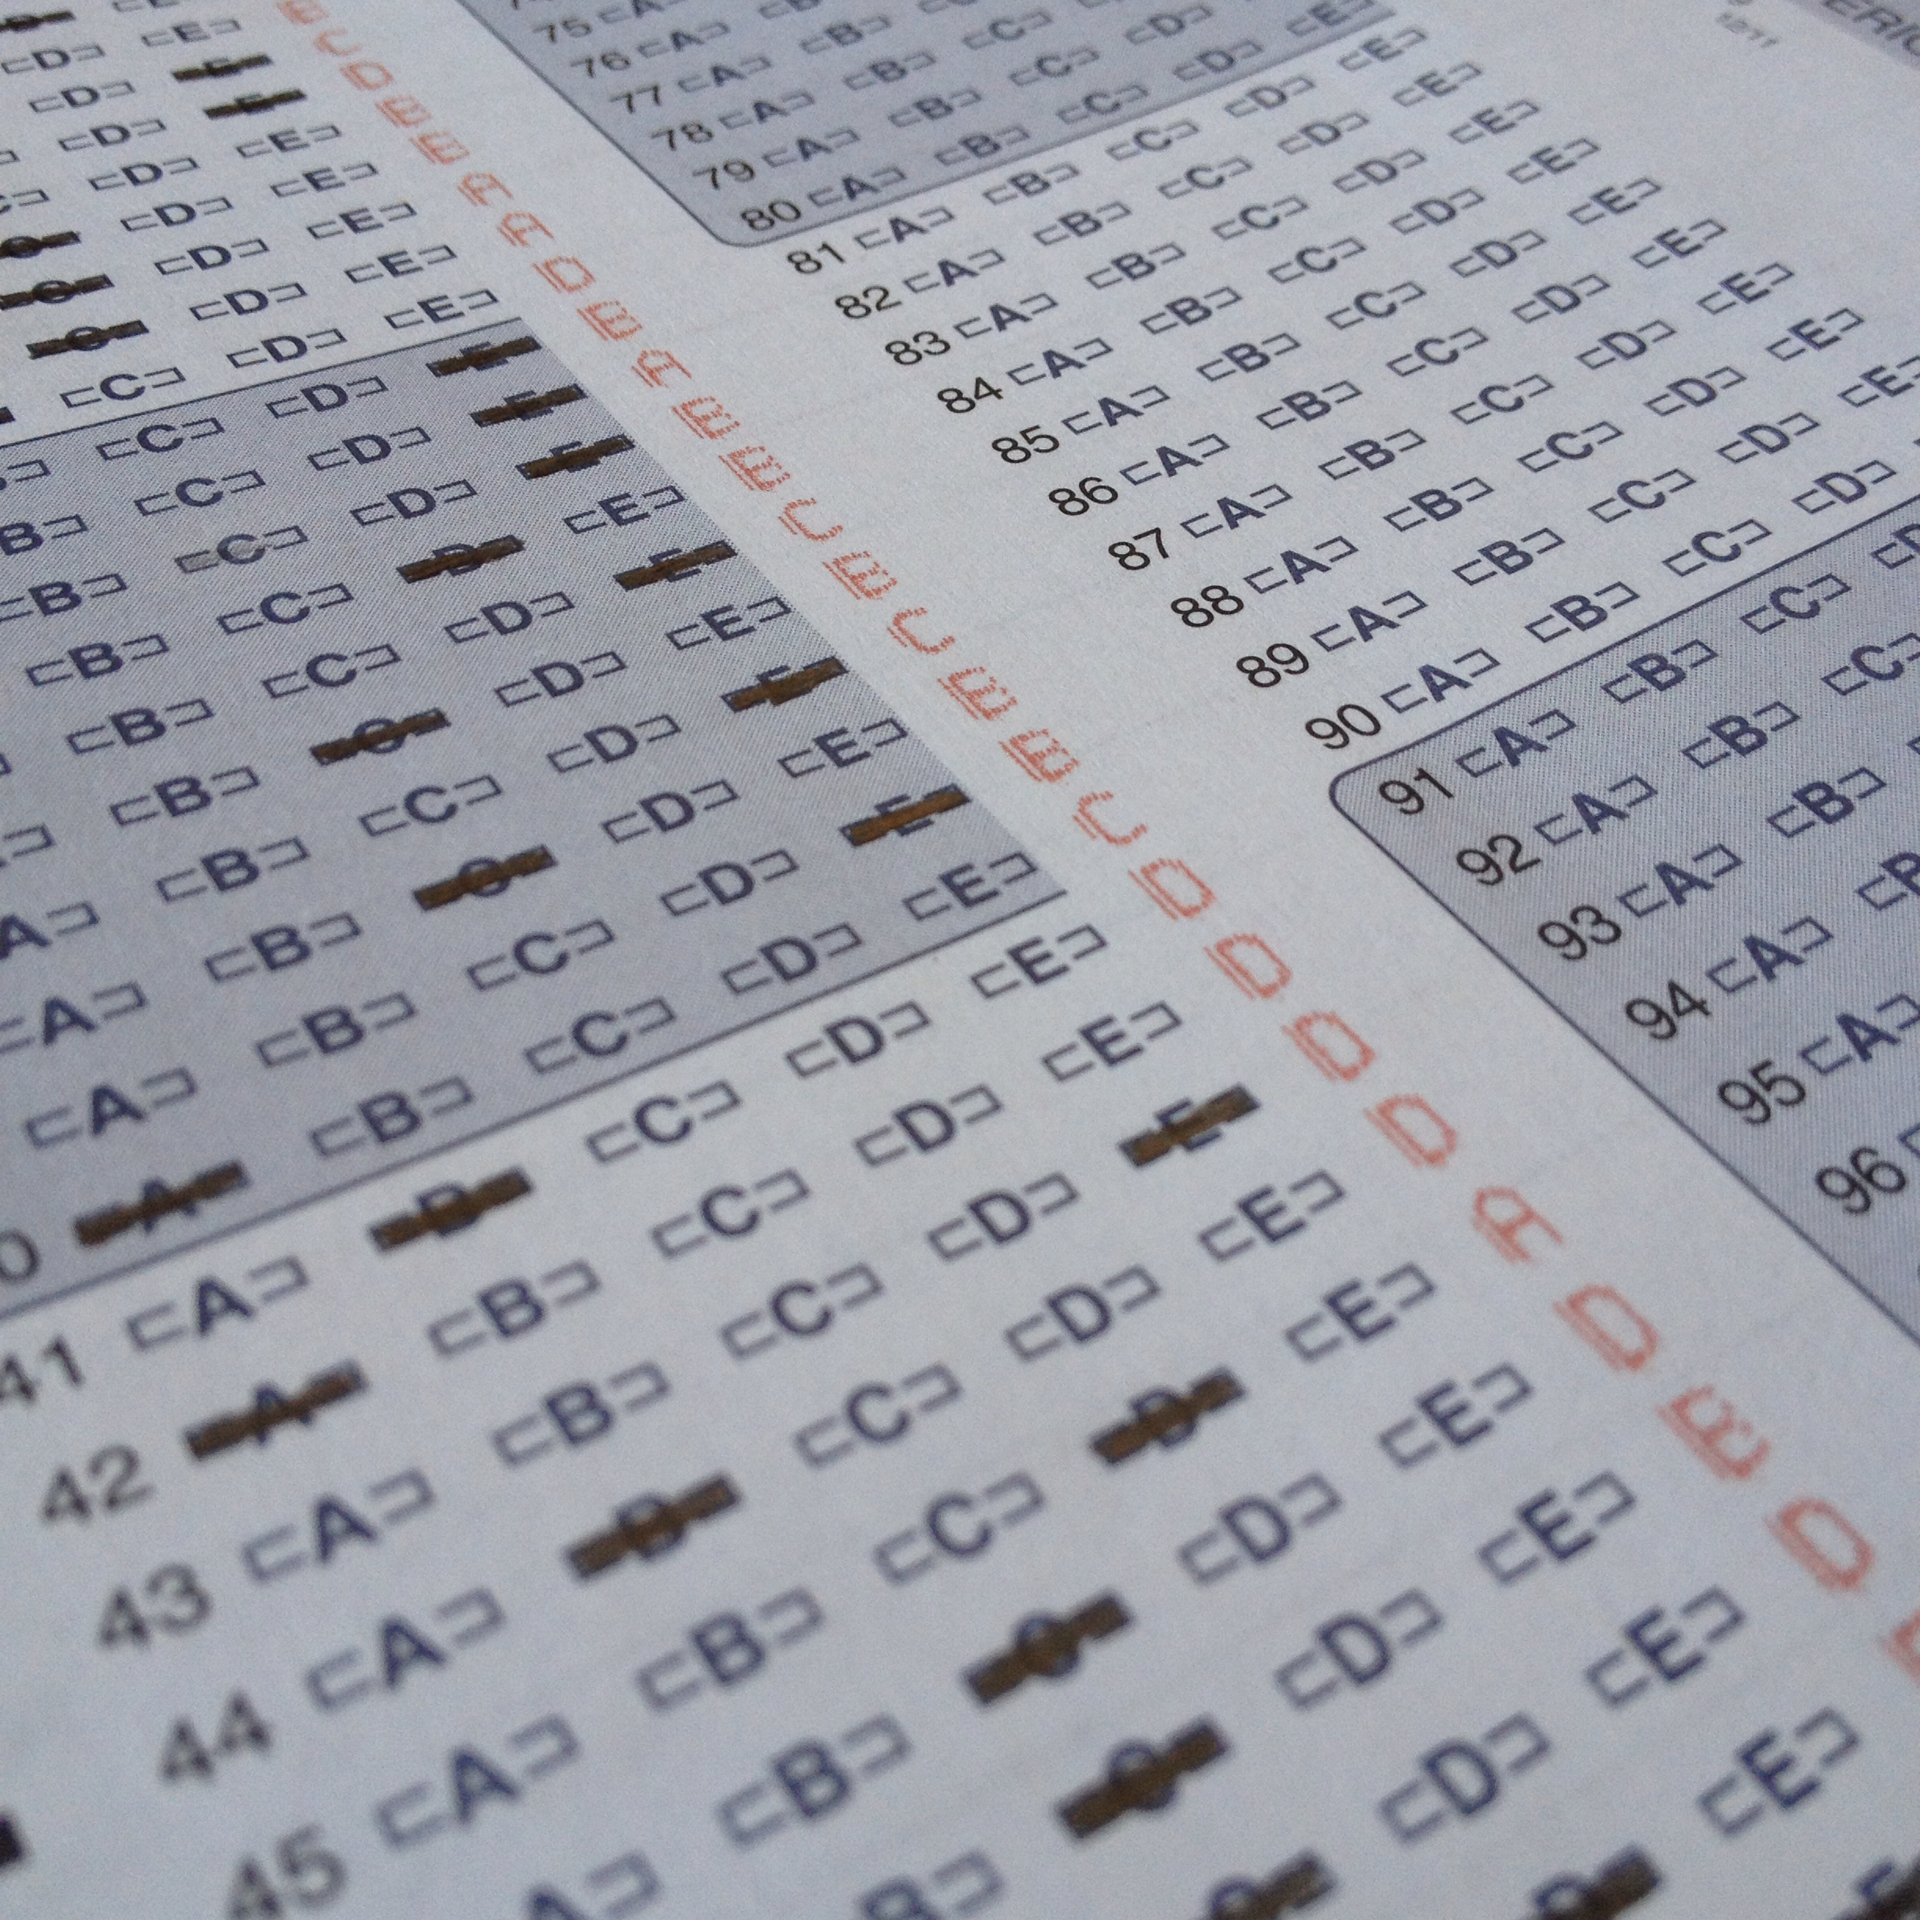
{"x":958,"y":957}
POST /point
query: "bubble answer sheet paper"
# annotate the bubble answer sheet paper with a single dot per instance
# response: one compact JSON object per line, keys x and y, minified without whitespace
{"x":954,"y":959}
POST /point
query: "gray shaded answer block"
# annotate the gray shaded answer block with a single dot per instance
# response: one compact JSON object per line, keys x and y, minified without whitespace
{"x":211,"y":948}
{"x":765,"y":118}
{"x":1700,"y":845}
